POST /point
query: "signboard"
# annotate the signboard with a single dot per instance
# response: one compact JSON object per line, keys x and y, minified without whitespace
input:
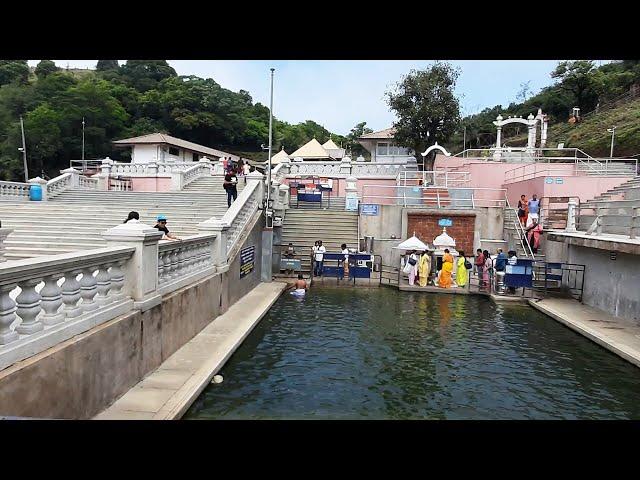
{"x":369,"y":209}
{"x":247,"y":260}
{"x":559,"y":181}
{"x":445,"y":222}
{"x":548,"y":180}
{"x":351,"y":203}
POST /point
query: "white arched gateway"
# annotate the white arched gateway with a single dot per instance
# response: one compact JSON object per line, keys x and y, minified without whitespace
{"x":531,"y":123}
{"x":435,"y":147}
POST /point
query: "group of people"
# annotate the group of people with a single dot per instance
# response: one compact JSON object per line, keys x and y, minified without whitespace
{"x":230,"y":184}
{"x":161,"y":224}
{"x":487,"y":266}
{"x":529,"y":216}
{"x":419,"y":267}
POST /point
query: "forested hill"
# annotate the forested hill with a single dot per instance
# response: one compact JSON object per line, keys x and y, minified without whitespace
{"x":119,"y":101}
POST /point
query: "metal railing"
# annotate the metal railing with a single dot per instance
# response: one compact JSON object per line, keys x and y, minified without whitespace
{"x":436,"y":178}
{"x":440,"y":197}
{"x":513,"y":214}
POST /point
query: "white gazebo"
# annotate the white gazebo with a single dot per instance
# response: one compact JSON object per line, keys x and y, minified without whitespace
{"x":441,"y":242}
{"x":413,"y":243}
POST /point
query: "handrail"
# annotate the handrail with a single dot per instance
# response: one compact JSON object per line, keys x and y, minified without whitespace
{"x":59,"y":183}
{"x":14,"y":190}
{"x":432,"y":193}
{"x":519,"y":229}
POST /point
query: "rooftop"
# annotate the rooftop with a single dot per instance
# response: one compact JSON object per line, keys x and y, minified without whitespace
{"x":163,"y":138}
{"x":382,"y":134}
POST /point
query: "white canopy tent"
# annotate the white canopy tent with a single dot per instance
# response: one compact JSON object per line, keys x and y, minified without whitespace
{"x":413,"y":243}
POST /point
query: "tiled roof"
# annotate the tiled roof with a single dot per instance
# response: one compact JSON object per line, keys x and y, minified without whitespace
{"x":154,"y":138}
{"x":386,"y":133}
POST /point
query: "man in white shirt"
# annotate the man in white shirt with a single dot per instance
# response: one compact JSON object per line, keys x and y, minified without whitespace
{"x":319,"y":258}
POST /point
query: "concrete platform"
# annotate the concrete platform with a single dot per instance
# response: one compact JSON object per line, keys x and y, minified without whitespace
{"x":168,"y":392}
{"x":618,"y":335}
{"x":433,"y":289}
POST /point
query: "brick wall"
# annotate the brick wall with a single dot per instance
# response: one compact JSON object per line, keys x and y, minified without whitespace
{"x":426,"y":227}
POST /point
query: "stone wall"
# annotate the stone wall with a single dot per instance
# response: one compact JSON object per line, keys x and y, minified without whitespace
{"x":425,"y":225}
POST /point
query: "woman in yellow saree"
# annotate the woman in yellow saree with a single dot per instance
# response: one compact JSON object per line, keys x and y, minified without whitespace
{"x":424,"y":267}
{"x":447,"y":267}
{"x":461,"y":270}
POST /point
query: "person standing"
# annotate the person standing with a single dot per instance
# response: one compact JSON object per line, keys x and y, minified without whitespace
{"x":501,"y":261}
{"x":231,"y":186}
{"x":424,"y":268}
{"x":319,"y":258}
{"x":461,"y":270}
{"x":523,"y":210}
{"x":445,"y":279}
{"x":345,"y":261}
{"x":479,"y":262}
{"x":534,"y":210}
{"x":411,"y":267}
{"x":488,"y":268}
{"x":513,"y":260}
{"x":246,"y":169}
{"x":533,"y":235}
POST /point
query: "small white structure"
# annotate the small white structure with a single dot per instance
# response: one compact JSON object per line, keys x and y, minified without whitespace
{"x":383,"y":149}
{"x":333,"y":150}
{"x":163,"y":148}
{"x":312,"y":150}
{"x":531,"y":122}
{"x":441,"y":242}
{"x":413,"y":243}
{"x":433,"y":147}
{"x":280,"y":157}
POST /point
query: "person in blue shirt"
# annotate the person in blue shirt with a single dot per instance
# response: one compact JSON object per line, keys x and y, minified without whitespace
{"x":534,"y":210}
{"x":501,"y":261}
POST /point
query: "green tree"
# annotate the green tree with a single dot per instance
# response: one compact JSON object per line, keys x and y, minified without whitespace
{"x":426,"y":106}
{"x":13,"y":71}
{"x":106,"y":65}
{"x":45,"y":68}
{"x":352,"y":144}
{"x":145,"y":75}
{"x":577,"y":77}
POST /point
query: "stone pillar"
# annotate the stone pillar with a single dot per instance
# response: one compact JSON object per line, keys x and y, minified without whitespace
{"x":141,"y":271}
{"x":219,"y":254}
{"x":571,"y":216}
{"x":177,"y":180}
{"x":105,"y":173}
{"x":633,"y":233}
{"x":283,"y":192}
{"x":258,"y":177}
{"x":152,"y":169}
{"x":345,"y":166}
{"x":208,"y":162}
{"x":351,"y":194}
{"x":75,"y":176}
{"x":43,"y":184}
{"x":4,"y":233}
{"x":412,"y":164}
{"x":218,"y":168}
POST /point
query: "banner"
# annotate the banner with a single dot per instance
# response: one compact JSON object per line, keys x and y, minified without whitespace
{"x":247,"y":260}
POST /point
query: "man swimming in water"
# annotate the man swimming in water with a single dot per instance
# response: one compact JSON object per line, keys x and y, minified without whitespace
{"x":300,"y":287}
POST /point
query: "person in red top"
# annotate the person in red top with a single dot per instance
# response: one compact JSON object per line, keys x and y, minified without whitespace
{"x":479,"y":262}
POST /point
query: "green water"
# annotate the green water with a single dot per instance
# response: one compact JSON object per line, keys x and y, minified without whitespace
{"x":384,"y":354}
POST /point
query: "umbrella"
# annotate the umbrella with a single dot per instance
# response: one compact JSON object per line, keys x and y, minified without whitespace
{"x":412,"y":243}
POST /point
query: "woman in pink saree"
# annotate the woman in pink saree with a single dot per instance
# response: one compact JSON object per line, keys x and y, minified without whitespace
{"x":533,"y":235}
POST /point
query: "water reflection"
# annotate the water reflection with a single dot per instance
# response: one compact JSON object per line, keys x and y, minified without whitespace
{"x":379,"y":353}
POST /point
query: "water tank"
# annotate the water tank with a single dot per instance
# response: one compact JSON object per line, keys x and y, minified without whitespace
{"x":35,"y":193}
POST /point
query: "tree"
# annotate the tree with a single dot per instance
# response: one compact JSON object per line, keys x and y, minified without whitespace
{"x":577,"y":77}
{"x":352,"y":144}
{"x":524,"y":91}
{"x":426,"y":106}
{"x":106,"y":65}
{"x":44,"y":68}
{"x":13,"y":71}
{"x":145,"y":75}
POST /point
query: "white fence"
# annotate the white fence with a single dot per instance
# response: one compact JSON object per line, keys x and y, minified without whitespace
{"x":14,"y":191}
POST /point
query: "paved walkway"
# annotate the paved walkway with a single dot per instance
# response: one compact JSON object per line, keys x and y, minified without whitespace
{"x":619,"y":335}
{"x":167,"y":393}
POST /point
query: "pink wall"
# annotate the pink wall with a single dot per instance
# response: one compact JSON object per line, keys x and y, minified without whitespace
{"x":151,"y":184}
{"x":339,"y":185}
{"x":585,"y":188}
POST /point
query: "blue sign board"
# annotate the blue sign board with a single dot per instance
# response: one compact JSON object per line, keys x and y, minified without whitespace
{"x":445,"y":222}
{"x":369,"y":209}
{"x":559,"y":181}
{"x":548,"y":180}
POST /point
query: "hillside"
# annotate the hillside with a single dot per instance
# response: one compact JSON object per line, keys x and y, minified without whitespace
{"x":591,"y":134}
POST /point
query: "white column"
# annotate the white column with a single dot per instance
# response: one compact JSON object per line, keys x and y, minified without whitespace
{"x":351,"y":194}
{"x":219,"y":245}
{"x":141,"y":271}
{"x":7,"y":315}
{"x":345,"y":166}
{"x":571,"y":216}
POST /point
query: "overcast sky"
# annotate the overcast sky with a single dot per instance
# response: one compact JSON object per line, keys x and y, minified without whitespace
{"x":339,"y":94}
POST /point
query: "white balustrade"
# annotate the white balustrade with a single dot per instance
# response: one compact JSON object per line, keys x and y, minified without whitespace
{"x":184,"y":262}
{"x":88,"y":183}
{"x":46,"y":300}
{"x":59,"y":184}
{"x":14,"y":191}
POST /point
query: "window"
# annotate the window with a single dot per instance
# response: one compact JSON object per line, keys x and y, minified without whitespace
{"x":382,"y":148}
{"x":174,"y":151}
{"x":195,"y":157}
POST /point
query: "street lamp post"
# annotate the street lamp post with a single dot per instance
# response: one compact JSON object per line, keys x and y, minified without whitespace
{"x":464,"y":138}
{"x":268,"y":212}
{"x":82,"y":138}
{"x":24,"y":152}
{"x":612,"y":131}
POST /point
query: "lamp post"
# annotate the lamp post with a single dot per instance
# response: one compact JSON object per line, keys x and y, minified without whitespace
{"x":612,"y":131}
{"x":268,"y":213}
{"x":82,"y":138}
{"x":464,"y":138}
{"x":24,"y":152}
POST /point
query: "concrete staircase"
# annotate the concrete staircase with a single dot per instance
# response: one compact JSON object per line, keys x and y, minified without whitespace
{"x":612,"y":169}
{"x":75,"y":219}
{"x":512,"y":236}
{"x":630,"y":188}
{"x":211,"y":185}
{"x":302,"y":227}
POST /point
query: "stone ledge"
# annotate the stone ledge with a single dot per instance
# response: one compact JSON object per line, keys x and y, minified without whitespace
{"x":608,"y":242}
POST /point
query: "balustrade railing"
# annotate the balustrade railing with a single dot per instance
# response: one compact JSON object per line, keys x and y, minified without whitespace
{"x":87,"y":182}
{"x":180,"y":261}
{"x":376,"y":169}
{"x":14,"y":190}
{"x":315,"y":168}
{"x":195,"y":171}
{"x":244,"y":209}
{"x":46,"y":300}
{"x":59,"y":183}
